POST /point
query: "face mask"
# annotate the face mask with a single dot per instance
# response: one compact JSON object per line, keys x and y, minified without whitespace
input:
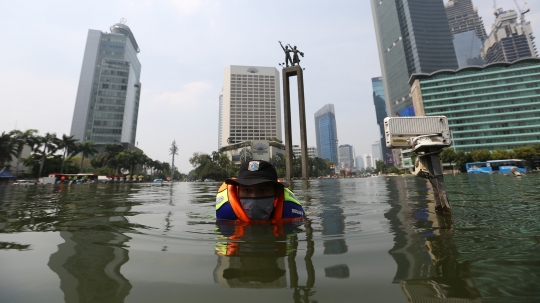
{"x":258,"y":208}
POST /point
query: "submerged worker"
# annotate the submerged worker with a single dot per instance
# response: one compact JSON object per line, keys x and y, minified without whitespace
{"x":256,"y":195}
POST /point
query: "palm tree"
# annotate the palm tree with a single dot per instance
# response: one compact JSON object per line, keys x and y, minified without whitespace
{"x":21,"y":139}
{"x":69,"y":145}
{"x":7,"y":147}
{"x":87,"y":149}
{"x":173,"y":151}
{"x":49,"y":142}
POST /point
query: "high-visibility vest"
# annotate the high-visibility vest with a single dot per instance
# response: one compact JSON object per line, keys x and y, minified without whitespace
{"x":229,"y":193}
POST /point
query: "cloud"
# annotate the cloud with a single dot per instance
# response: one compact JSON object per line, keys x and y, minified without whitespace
{"x":187,"y":7}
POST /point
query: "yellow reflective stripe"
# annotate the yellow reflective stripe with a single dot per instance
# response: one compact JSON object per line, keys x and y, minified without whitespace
{"x":289,"y":196}
{"x":221,"y":198}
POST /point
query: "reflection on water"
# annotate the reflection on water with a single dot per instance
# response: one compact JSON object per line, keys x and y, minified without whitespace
{"x":378,"y":237}
{"x":253,"y":256}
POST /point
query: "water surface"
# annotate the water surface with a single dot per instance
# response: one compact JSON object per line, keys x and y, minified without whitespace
{"x":365,"y":240}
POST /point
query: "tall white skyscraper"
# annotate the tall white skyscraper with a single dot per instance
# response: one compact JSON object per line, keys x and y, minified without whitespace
{"x":107,"y":103}
{"x":368,"y":160}
{"x":250,"y":104}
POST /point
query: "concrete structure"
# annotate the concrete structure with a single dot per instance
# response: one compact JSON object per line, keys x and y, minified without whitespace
{"x":368,"y":162}
{"x":376,"y":151}
{"x":379,"y":101}
{"x":346,"y":157}
{"x":509,"y":39}
{"x":286,"y":74}
{"x":256,"y":150}
{"x":359,"y":163}
{"x":107,"y":103}
{"x":297,"y":151}
{"x":250,"y":106}
{"x":220,"y":121}
{"x":326,"y":133}
{"x":494,"y":107}
{"x":467,"y":30}
{"x":411,"y":39}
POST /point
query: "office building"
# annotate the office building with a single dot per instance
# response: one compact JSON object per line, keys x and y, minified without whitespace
{"x":412,"y":37}
{"x":368,"y":161}
{"x":376,"y":151}
{"x":107,"y":102}
{"x":379,"y":101}
{"x":326,"y":133}
{"x":250,"y":105}
{"x":509,"y":39}
{"x":297,"y":151}
{"x":359,"y":163}
{"x":220,"y":120}
{"x":346,"y":157}
{"x":467,"y":30}
{"x":494,"y":107}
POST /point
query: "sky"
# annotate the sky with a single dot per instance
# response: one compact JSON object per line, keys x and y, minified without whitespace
{"x":185,"y":48}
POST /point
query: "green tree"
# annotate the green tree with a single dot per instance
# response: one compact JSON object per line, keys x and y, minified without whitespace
{"x":448,"y":155}
{"x":86,"y":149}
{"x":394,"y":170}
{"x":380,"y":167}
{"x":69,"y":146}
{"x":8,"y":148}
{"x":21,"y":139}
{"x":501,"y":154}
{"x":49,"y":143}
{"x":480,"y":155}
{"x":527,"y":153}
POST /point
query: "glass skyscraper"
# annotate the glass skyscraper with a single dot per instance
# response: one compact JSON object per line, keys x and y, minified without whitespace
{"x":326,"y":133}
{"x":468,"y":32}
{"x":413,"y":36}
{"x":380,"y":111}
{"x":107,"y":103}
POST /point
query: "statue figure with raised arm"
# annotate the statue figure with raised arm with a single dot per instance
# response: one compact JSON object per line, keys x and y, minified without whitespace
{"x":296,"y":59}
{"x":287,"y":51}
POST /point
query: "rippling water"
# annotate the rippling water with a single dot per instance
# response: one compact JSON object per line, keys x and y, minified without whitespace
{"x":365,"y":240}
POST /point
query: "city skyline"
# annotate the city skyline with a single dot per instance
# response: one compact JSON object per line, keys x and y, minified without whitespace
{"x":185,"y":45}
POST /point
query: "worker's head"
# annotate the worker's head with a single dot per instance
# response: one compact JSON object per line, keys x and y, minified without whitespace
{"x":258,"y":186}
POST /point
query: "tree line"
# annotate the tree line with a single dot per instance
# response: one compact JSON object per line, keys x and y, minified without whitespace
{"x":52,"y":154}
{"x":217,"y":166}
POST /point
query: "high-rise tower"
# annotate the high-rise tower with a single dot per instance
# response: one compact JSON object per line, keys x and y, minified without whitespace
{"x":250,"y":104}
{"x":509,"y":39}
{"x":413,"y":36}
{"x":468,"y":31}
{"x":326,"y":133}
{"x":379,"y":101}
{"x":107,"y":103}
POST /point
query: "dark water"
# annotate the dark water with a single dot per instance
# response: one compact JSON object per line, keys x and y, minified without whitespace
{"x":365,"y":240}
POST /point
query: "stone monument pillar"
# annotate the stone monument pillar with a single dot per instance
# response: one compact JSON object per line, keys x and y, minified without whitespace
{"x":288,"y":72}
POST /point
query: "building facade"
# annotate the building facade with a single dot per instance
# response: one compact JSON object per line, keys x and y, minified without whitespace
{"x":376,"y":151}
{"x":326,"y":133}
{"x":379,"y":101}
{"x":411,"y":39}
{"x":368,"y":161}
{"x":251,"y":106}
{"x":509,"y":39}
{"x":297,"y":151}
{"x":107,"y":102}
{"x":359,"y":163}
{"x":494,"y":107}
{"x":467,"y":30}
{"x":346,"y":157}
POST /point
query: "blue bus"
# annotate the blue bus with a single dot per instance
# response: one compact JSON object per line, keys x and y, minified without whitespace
{"x":496,"y":166}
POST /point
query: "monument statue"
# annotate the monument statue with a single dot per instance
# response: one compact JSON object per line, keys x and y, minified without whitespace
{"x":296,"y":60}
{"x":287,"y":51}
